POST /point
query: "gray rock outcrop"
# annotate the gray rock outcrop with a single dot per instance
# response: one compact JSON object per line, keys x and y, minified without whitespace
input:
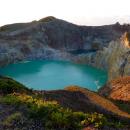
{"x":52,"y":38}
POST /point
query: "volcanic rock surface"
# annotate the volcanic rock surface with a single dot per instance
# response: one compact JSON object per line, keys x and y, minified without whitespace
{"x":117,"y":89}
{"x":52,"y":38}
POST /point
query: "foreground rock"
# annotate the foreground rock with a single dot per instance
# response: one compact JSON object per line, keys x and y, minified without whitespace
{"x":71,"y":109}
{"x":117,"y":89}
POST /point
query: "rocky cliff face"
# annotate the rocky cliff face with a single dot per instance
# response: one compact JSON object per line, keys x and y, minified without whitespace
{"x":115,"y":58}
{"x":117,"y":89}
{"x":51,"y":38}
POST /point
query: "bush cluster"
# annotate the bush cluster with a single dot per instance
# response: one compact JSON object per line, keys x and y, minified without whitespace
{"x":52,"y":115}
{"x":8,"y":86}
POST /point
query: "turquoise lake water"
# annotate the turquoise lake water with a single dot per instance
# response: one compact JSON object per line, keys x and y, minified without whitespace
{"x":51,"y":75}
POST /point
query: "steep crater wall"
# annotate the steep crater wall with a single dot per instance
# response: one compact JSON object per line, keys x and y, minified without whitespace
{"x":51,"y":38}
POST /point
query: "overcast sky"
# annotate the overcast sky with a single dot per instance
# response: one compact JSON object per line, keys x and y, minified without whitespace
{"x":84,"y":12}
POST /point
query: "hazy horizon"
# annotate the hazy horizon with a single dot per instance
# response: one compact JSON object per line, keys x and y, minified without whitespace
{"x":85,"y":12}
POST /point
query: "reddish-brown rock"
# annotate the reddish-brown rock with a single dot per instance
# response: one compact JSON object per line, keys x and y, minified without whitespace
{"x":117,"y":89}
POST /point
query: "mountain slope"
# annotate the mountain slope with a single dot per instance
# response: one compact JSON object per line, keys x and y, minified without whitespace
{"x":52,"y":38}
{"x":25,"y":109}
{"x":80,"y":99}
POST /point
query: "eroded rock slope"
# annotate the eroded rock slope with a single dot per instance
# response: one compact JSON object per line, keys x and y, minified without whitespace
{"x":51,"y":38}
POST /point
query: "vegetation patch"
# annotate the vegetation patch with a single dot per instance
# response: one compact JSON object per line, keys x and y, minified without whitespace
{"x":12,"y":118}
{"x":8,"y":85}
{"x":21,"y":108}
{"x":52,"y":115}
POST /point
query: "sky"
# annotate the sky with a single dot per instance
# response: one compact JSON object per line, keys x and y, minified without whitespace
{"x":82,"y":12}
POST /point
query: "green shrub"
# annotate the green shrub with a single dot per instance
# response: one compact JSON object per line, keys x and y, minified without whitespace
{"x":12,"y":118}
{"x":53,"y":116}
{"x":98,"y":120}
{"x":9,"y":99}
{"x":8,"y":85}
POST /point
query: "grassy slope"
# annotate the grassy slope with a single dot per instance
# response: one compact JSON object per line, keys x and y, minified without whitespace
{"x":75,"y":97}
{"x":21,"y":108}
